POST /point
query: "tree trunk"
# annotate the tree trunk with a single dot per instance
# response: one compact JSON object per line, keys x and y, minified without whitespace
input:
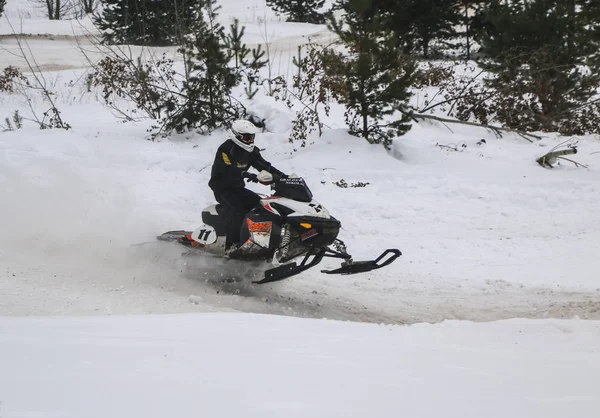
{"x":365,"y":116}
{"x":572,"y":26}
{"x":88,"y":6}
{"x":57,"y":10}
{"x":364,"y":110}
{"x":466,"y":3}
{"x":426,"y":41}
{"x":50,"y":7}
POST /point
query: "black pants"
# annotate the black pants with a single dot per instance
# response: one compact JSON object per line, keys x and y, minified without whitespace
{"x":237,"y":202}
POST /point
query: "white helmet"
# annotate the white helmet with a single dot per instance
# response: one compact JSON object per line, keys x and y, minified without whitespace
{"x":243,"y":134}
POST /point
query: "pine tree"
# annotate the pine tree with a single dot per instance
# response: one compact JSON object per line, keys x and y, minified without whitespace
{"x":480,"y":23}
{"x":244,"y":68}
{"x":418,"y":23}
{"x":209,"y":77}
{"x":469,"y":10}
{"x":373,"y":81}
{"x":252,"y":71}
{"x":299,"y":10}
{"x":2,"y":4}
{"x":145,"y":22}
{"x":536,"y":51}
{"x":590,"y":17}
{"x":434,"y":21}
{"x":238,"y":51}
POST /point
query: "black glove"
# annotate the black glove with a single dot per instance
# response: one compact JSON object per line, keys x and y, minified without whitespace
{"x":250,"y":176}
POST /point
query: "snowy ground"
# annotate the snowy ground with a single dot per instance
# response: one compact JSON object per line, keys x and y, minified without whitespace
{"x":229,"y":365}
{"x":486,"y":235}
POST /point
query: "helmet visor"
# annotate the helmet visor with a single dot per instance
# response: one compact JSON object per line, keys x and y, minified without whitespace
{"x":246,"y":138}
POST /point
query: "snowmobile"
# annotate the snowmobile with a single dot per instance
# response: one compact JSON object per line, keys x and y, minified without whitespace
{"x":287,"y":225}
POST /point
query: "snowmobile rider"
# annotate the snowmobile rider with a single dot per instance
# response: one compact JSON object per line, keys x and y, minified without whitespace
{"x":232,"y":160}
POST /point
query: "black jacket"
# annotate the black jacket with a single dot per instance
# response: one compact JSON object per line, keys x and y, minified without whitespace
{"x":230,"y":164}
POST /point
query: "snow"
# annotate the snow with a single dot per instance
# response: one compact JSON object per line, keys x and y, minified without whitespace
{"x":224,"y":365}
{"x":509,"y":235}
{"x":495,"y":299}
{"x":44,"y":27}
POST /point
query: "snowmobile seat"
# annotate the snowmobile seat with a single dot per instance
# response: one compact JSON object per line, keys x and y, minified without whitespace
{"x":221,"y":209}
{"x":219,"y":222}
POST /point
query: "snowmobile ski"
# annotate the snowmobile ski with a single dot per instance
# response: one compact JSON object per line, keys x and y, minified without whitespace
{"x":354,"y":267}
{"x":291,"y":269}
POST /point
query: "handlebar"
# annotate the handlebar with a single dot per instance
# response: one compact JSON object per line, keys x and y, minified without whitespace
{"x":251,"y":177}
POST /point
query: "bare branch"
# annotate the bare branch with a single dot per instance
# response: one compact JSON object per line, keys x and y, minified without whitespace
{"x":525,"y":135}
{"x":37,"y":74}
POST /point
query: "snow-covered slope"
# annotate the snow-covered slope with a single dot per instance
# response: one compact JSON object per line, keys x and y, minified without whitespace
{"x":485,"y":233}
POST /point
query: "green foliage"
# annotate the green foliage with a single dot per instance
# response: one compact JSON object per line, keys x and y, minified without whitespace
{"x":246,"y":69}
{"x":299,"y":10}
{"x":238,"y":51}
{"x":590,"y":19}
{"x":433,"y":20}
{"x":469,"y":11}
{"x":13,"y":123}
{"x":252,"y":72}
{"x":198,"y":99}
{"x":17,"y":119}
{"x":373,"y":79}
{"x":145,"y":22}
{"x":209,"y":78}
{"x":537,"y":52}
{"x":417,"y":24}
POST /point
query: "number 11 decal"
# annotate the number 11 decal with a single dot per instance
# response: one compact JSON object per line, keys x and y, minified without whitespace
{"x":205,"y":235}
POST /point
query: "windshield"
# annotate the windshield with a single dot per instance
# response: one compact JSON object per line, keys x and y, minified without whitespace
{"x":293,"y":188}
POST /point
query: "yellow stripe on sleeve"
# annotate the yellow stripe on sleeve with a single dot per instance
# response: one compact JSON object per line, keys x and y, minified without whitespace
{"x":226,"y":159}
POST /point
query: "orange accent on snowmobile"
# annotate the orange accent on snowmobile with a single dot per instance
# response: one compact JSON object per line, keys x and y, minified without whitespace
{"x":194,"y":243}
{"x":259,"y":226}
